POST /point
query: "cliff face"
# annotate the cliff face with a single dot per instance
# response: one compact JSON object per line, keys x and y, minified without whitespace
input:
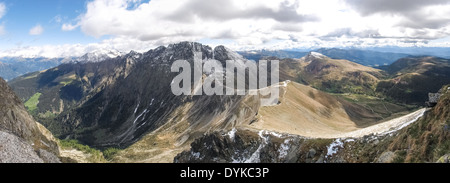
{"x":21,"y":140}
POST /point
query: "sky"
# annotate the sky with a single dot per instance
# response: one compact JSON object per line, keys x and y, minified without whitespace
{"x":63,"y":28}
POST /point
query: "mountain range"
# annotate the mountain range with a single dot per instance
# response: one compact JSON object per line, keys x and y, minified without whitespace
{"x":369,"y":58}
{"x":12,"y":67}
{"x":122,"y":104}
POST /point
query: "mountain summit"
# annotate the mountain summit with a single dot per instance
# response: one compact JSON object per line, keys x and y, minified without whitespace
{"x":98,"y":55}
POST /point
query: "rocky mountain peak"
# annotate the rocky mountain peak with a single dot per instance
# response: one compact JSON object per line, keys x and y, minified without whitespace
{"x":133,"y":54}
{"x":185,"y":51}
{"x":314,"y":55}
{"x":223,"y":53}
{"x":98,"y":56}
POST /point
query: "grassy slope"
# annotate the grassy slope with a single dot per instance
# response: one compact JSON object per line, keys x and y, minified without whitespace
{"x":330,"y":75}
{"x":32,"y":103}
{"x":426,"y":140}
{"x":411,"y":79}
{"x":308,"y":112}
{"x":429,"y":138}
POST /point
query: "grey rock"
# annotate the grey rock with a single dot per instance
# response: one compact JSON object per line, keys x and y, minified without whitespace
{"x":21,"y":137}
{"x":321,"y":159}
{"x":48,"y":157}
{"x":311,"y":153}
{"x":376,"y":142}
{"x":15,"y":150}
{"x":386,"y":157}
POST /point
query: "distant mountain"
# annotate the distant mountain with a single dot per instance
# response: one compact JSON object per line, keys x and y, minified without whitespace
{"x":257,"y":55}
{"x":412,"y":78}
{"x":98,"y":55}
{"x":416,"y":51}
{"x":363,"y":57}
{"x":12,"y":67}
{"x":331,"y":75}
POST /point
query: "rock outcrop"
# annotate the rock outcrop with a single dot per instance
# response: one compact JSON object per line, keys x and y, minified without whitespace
{"x":21,"y":140}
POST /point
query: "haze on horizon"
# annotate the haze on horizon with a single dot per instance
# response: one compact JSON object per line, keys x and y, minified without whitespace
{"x":62,"y":28}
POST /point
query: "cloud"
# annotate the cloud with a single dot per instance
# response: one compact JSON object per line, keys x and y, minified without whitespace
{"x":36,"y":30}
{"x":254,"y":24}
{"x":190,"y":19}
{"x":227,"y":10}
{"x":415,"y":13}
{"x":57,"y":19}
{"x":349,"y":32}
{"x":256,"y":21}
{"x":2,"y":9}
{"x":123,"y":44}
{"x":368,"y":7}
{"x":69,"y":27}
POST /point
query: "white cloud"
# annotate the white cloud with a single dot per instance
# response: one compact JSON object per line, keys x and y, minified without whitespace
{"x":57,"y":19}
{"x":36,"y":30}
{"x":251,"y":22}
{"x":257,"y":24}
{"x":123,"y":44}
{"x":2,"y":9}
{"x":190,"y":19}
{"x":68,"y":27}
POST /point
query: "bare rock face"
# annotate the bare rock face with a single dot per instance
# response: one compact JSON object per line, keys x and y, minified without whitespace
{"x":245,"y":146}
{"x":15,"y":150}
{"x":20,"y":138}
{"x":444,"y":159}
{"x":386,"y":157}
{"x":433,"y":99}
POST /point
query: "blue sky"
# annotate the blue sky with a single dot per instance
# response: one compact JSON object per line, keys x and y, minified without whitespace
{"x":23,"y":15}
{"x":59,"y":28}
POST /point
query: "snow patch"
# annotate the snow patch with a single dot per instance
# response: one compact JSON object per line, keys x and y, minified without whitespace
{"x":405,"y":124}
{"x":350,"y":140}
{"x":145,"y":111}
{"x":274,"y":134}
{"x":232,"y":133}
{"x":135,"y":110}
{"x":151,"y":103}
{"x":387,"y":127}
{"x":98,"y":56}
{"x":316,"y":54}
{"x":255,"y":157}
{"x":195,"y":155}
{"x":286,"y":83}
{"x":334,"y":147}
{"x":283,"y":151}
